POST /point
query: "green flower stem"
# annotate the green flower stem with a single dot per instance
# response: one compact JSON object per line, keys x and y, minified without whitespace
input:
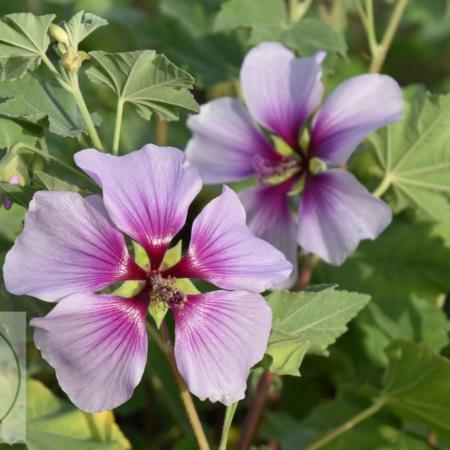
{"x":20,"y":145}
{"x":382,"y":187}
{"x":165,"y":345}
{"x":348,"y":425}
{"x":382,"y":50}
{"x":229,"y":415}
{"x":79,"y":99}
{"x":19,"y":377}
{"x":368,"y":20}
{"x":118,"y":127}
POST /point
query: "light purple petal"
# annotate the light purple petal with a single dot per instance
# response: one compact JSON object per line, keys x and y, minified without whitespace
{"x":147,"y":192}
{"x":356,"y":108}
{"x":219,"y":336}
{"x":226,"y":253}
{"x":336,"y":213}
{"x":68,"y":245}
{"x":225,"y":142}
{"x":97,"y":345}
{"x":281,"y":91}
{"x":270,"y":218}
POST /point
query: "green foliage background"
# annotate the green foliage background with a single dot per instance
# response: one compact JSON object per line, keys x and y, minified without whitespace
{"x":391,"y":351}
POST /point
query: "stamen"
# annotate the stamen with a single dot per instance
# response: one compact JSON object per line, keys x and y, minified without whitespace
{"x":164,"y":290}
{"x":271,"y":174}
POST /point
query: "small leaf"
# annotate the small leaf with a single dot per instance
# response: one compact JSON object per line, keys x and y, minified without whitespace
{"x":320,"y":317}
{"x":414,"y":156}
{"x":33,"y":100}
{"x":23,"y":43}
{"x":81,"y":25}
{"x":417,"y":384}
{"x":286,"y":352}
{"x":145,"y":79}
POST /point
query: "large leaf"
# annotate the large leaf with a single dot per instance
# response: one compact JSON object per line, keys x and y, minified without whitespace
{"x":81,"y":25}
{"x":308,"y":321}
{"x":405,"y":271}
{"x":374,"y":433}
{"x":268,"y":21}
{"x":33,"y":100}
{"x":414,"y":156}
{"x":52,"y":424}
{"x":417,"y":386}
{"x":23,"y":43}
{"x":145,"y":79}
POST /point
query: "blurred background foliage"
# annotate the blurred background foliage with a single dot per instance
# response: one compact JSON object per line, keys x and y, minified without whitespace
{"x":406,"y":271}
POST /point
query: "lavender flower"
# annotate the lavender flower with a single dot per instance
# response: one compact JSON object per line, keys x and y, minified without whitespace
{"x":335,"y":212}
{"x":7,"y":203}
{"x":73,"y":247}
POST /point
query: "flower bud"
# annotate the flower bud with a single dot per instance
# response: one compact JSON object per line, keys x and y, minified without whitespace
{"x":58,"y":34}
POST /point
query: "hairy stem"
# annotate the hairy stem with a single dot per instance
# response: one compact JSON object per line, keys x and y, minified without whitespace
{"x":256,"y":408}
{"x":79,"y":99}
{"x":56,"y":74}
{"x":231,"y":410}
{"x":118,"y":127}
{"x":307,"y":271}
{"x":382,"y":50}
{"x":348,"y":425}
{"x":166,"y":347}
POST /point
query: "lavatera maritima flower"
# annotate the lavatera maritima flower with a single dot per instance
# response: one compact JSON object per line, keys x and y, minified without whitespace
{"x":73,"y":247}
{"x":297,"y":168}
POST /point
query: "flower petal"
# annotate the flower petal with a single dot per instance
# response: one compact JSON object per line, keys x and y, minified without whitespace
{"x":147,"y":192}
{"x":219,"y":336}
{"x":336,"y":213}
{"x":225,"y":252}
{"x":356,"y":108}
{"x":270,"y":218}
{"x":68,"y":245}
{"x":98,"y":347}
{"x":225,"y":142}
{"x":281,"y":91}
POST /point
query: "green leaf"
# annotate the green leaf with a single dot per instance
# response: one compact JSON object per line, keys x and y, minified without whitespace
{"x":21,"y":195}
{"x":286,"y":352}
{"x":33,"y":100}
{"x":44,"y":181}
{"x":311,"y":35}
{"x":23,"y":43}
{"x":52,"y":424}
{"x":405,"y":270}
{"x":81,"y":25}
{"x":264,"y":17}
{"x":320,"y":317}
{"x":268,"y":21}
{"x":145,"y":79}
{"x":414,"y":156}
{"x":14,"y":131}
{"x":417,"y":386}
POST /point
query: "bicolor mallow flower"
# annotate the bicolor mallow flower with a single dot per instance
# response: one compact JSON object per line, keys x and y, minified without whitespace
{"x":72,"y":248}
{"x":267,"y":138}
{"x":4,"y":199}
